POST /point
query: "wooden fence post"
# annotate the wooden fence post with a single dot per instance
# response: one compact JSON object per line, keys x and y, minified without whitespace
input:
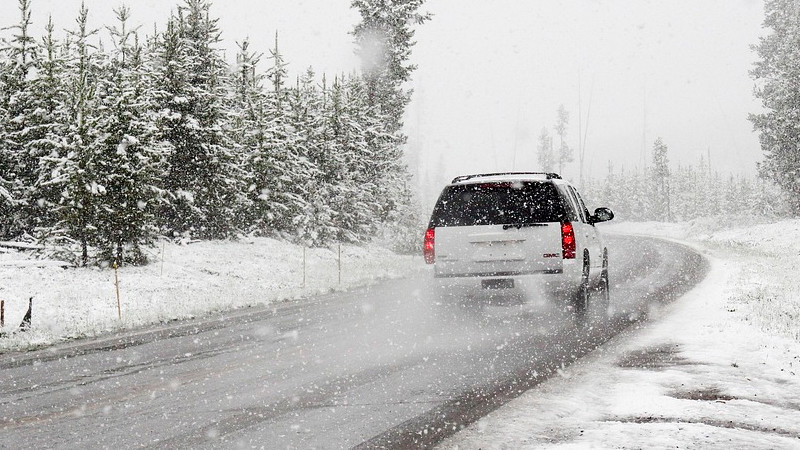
{"x":116,"y":286}
{"x":163,"y":247}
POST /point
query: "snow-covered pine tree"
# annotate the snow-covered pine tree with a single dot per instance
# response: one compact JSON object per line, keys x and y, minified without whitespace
{"x":17,"y":167}
{"x":619,"y":204}
{"x":768,"y":200}
{"x":682,"y":193}
{"x":7,"y":202}
{"x":605,"y":194}
{"x":384,"y":38}
{"x":660,"y":182}
{"x":289,"y":178}
{"x":331,"y":151}
{"x":639,"y":189}
{"x":250,"y":126}
{"x":716,"y":193}
{"x":8,"y":205}
{"x":347,"y":160}
{"x":317,"y":223}
{"x":276,"y":175}
{"x":129,"y":157}
{"x":564,"y":155}
{"x":48,"y":123}
{"x":398,"y":213}
{"x":777,"y":76}
{"x":203,"y":177}
{"x":701,"y":189}
{"x":77,"y":210}
{"x":731,"y":204}
{"x":544,"y":151}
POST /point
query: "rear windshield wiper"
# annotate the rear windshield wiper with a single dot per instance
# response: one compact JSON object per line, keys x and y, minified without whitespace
{"x":522,"y":225}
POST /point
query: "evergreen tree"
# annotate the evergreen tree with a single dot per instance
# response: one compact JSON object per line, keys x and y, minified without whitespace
{"x":384,"y":38}
{"x":640,"y":200}
{"x":7,"y":202}
{"x":777,"y":76}
{"x":250,"y":129}
{"x":702,"y":196}
{"x":660,"y":182}
{"x":78,"y":168}
{"x":716,"y":195}
{"x":99,"y":145}
{"x":276,"y":174}
{"x":564,"y":150}
{"x":202,"y":178}
{"x":17,"y":167}
{"x":291,"y":185}
{"x":8,"y":205}
{"x":544,"y":151}
{"x":47,"y":122}
{"x":682,"y":193}
{"x":731,"y":202}
{"x":352,"y":161}
{"x":605,"y":195}
{"x":129,"y":157}
{"x":316,"y":223}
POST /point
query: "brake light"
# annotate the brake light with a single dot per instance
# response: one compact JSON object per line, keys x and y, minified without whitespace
{"x":427,"y":248}
{"x":567,"y":240}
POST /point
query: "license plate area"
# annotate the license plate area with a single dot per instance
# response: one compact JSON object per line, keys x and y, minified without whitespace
{"x":499,"y":283}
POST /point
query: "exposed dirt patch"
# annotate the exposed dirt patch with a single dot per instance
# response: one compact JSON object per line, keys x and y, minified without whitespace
{"x":655,"y":358}
{"x":729,"y":424}
{"x":709,"y":394}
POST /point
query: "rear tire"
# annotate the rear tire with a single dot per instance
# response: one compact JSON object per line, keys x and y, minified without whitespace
{"x":581,"y":299}
{"x":605,"y":286}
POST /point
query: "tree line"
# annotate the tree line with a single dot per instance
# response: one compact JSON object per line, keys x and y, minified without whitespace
{"x":688,"y":192}
{"x":110,"y":140}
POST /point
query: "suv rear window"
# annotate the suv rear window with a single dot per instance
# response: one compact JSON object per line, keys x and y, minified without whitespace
{"x":497,"y":204}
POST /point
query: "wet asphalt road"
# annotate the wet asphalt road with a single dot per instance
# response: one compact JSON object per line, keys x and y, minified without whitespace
{"x":383,"y":366}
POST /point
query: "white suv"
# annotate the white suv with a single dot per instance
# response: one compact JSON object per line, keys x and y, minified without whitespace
{"x":517,"y":231}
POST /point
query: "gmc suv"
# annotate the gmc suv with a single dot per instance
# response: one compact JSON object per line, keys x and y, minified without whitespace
{"x":519,"y":231}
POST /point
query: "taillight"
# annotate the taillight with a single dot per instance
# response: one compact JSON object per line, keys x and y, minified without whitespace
{"x":427,"y":248}
{"x":568,"y":240}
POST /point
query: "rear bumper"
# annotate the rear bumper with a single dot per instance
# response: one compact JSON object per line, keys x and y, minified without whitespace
{"x":532,"y":283}
{"x":499,"y":274}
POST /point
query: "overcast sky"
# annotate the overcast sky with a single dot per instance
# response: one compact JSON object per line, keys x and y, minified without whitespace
{"x":493,"y":73}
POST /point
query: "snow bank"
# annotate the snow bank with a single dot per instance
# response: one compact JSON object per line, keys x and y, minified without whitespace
{"x":766,"y":289}
{"x":720,"y":368}
{"x":193,"y":280}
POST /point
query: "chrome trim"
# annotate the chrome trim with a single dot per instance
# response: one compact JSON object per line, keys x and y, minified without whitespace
{"x":513,"y":273}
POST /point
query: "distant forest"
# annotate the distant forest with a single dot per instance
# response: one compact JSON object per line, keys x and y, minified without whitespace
{"x":105,"y":148}
{"x":684,"y":194}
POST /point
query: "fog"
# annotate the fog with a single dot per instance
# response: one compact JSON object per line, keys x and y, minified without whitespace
{"x":491,"y":75}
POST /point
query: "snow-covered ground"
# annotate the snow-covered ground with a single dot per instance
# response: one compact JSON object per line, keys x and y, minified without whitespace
{"x":193,"y":280}
{"x":718,"y":368}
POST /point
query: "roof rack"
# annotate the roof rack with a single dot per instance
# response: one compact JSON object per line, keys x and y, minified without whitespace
{"x":548,"y":175}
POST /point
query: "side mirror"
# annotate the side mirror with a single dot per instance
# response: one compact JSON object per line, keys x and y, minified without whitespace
{"x":601,"y":215}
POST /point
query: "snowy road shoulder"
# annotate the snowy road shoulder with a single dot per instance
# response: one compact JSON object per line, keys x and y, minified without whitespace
{"x":710,"y":370}
{"x":182,"y":282}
